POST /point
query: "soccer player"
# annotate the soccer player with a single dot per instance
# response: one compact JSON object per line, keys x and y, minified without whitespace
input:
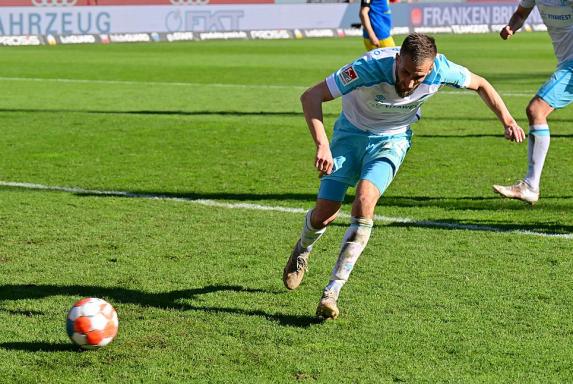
{"x":376,"y":19}
{"x":382,"y":93}
{"x":556,"y":93}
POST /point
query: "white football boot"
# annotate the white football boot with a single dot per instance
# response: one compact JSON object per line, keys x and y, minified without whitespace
{"x":520,"y":191}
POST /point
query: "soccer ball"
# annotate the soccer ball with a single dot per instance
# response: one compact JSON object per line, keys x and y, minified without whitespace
{"x":92,"y":323}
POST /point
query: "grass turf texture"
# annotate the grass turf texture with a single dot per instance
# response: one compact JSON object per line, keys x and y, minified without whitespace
{"x":198,"y":289}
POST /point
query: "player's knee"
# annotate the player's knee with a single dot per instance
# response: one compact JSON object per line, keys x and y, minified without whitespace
{"x":323,"y":215}
{"x":320,"y":222}
{"x":537,"y":109}
{"x":531,"y":111}
{"x":364,"y":205}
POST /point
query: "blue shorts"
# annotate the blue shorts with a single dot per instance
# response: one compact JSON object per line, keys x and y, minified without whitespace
{"x":558,"y":90}
{"x":360,"y":155}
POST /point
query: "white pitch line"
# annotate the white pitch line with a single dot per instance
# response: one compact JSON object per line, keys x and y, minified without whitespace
{"x":218,"y":85}
{"x":148,"y":83}
{"x":259,"y":207}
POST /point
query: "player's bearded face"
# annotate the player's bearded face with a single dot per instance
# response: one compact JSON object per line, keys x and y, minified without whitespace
{"x":410,"y":75}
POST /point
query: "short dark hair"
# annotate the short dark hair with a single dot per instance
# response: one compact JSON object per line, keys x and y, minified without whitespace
{"x":419,"y":47}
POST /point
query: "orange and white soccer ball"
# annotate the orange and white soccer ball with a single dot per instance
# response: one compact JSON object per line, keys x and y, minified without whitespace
{"x":92,"y":323}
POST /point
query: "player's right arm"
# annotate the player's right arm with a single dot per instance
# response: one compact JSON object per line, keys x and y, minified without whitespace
{"x":365,"y":19}
{"x":515,"y":22}
{"x":312,"y":100}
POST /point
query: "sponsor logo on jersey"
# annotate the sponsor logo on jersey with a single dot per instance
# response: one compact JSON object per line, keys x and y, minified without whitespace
{"x":348,"y":75}
{"x":379,"y":98}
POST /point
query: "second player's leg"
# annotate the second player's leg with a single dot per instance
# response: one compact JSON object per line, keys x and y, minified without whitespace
{"x":555,"y":93}
{"x":538,"y":145}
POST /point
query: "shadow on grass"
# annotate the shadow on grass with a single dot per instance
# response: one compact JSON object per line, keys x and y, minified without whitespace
{"x":173,"y":300}
{"x":547,"y":228}
{"x":265,"y":114}
{"x":481,"y":203}
{"x":491,"y":203}
{"x":26,"y":313}
{"x":480,"y":135}
{"x":162,"y":112}
{"x":533,"y":78}
{"x":462,"y":203}
{"x":40,"y":346}
{"x":487,"y":119}
{"x":230,"y":196}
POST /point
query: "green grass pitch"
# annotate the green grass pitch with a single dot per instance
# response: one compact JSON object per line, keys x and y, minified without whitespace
{"x":198,"y":287}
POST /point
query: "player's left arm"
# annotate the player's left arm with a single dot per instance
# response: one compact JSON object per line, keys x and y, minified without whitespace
{"x":494,"y":101}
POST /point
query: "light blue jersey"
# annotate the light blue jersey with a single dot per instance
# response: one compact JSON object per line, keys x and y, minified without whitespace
{"x":369,"y":98}
{"x":372,"y":135}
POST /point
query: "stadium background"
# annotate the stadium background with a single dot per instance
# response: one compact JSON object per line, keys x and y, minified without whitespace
{"x":171,"y":180}
{"x":36,"y":22}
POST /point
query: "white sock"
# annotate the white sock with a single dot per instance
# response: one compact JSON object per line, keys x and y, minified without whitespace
{"x":537,"y":146}
{"x":353,"y":243}
{"x":310,"y":235}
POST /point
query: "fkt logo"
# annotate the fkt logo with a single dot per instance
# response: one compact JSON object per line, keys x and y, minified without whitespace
{"x":204,"y":21}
